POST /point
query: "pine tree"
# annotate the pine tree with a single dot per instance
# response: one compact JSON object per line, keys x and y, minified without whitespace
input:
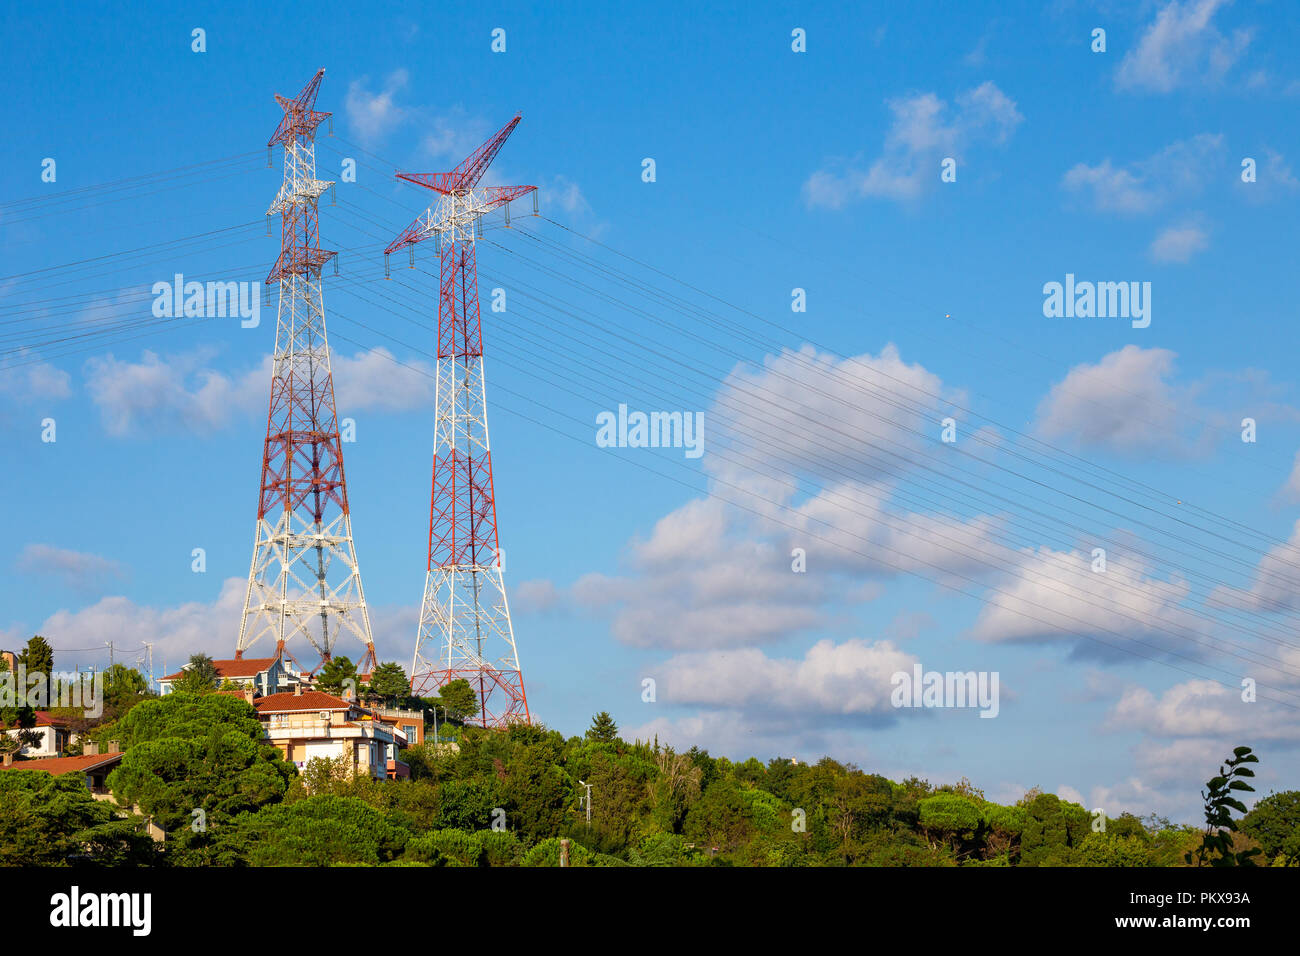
{"x":602,"y":729}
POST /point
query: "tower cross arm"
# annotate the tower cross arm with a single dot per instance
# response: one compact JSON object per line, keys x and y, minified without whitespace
{"x":300,"y":113}
{"x":500,"y":195}
{"x":469,"y":172}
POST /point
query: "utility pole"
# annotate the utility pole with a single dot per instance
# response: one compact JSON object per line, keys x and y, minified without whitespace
{"x":148,"y":651}
{"x":465,"y":630}
{"x":304,"y":578}
{"x":587,"y":801}
{"x":109,"y":645}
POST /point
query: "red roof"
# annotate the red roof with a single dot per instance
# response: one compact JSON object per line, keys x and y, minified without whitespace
{"x":308,"y":700}
{"x":58,"y":765}
{"x":245,"y":667}
{"x":43,"y":719}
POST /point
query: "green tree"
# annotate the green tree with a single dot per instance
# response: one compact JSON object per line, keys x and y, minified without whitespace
{"x":954,"y":818}
{"x":1216,"y":847}
{"x":457,"y":701}
{"x":196,"y":752}
{"x":603,"y":729}
{"x":199,"y":677}
{"x":123,"y":688}
{"x":718,"y":818}
{"x":333,"y":677}
{"x":1275,"y":824}
{"x":17,"y":721}
{"x":52,"y":821}
{"x":323,"y":830}
{"x":1053,"y":827}
{"x":38,"y":658}
{"x":389,"y":681}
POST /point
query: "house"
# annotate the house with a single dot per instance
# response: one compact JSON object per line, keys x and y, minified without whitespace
{"x":265,"y":675}
{"x":95,"y":767}
{"x":410,"y":722}
{"x":55,"y":734}
{"x":304,"y":724}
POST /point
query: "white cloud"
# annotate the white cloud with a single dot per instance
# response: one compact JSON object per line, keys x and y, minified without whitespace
{"x":26,"y":380}
{"x":177,"y":632}
{"x":1183,"y":734}
{"x":452,"y":135}
{"x":924,"y":130}
{"x":699,"y":583}
{"x":1124,"y":403}
{"x":208,"y":627}
{"x":1276,"y":584}
{"x":1179,"y":243}
{"x":852,"y":678}
{"x":1182,"y":48}
{"x":180,"y":393}
{"x":565,"y":194}
{"x":374,"y":115}
{"x":375,"y":380}
{"x":1055,"y":596}
{"x":810,"y":412}
{"x":1291,"y":490}
{"x":717,"y":572}
{"x":171,"y":392}
{"x":535,"y":596}
{"x":78,"y":569}
{"x":1181,"y":168}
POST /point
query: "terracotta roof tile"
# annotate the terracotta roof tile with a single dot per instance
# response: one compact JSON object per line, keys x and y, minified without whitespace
{"x":247,"y":667}
{"x":308,"y":700}
{"x":58,"y":765}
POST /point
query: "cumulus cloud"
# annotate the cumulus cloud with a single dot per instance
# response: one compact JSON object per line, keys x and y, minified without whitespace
{"x":208,"y":627}
{"x":1291,"y":490}
{"x":814,"y":446}
{"x":1181,"y":168}
{"x":1124,"y":403}
{"x":1182,"y":47}
{"x":176,"y":632}
{"x":698,"y":582}
{"x":924,"y":130}
{"x":1056,"y":597}
{"x":170,"y":393}
{"x":536,"y":596}
{"x":1182,"y":734}
{"x":1179,"y":243}
{"x":1276,"y":584}
{"x":376,"y":380}
{"x":77,"y":569}
{"x":808,"y":411}
{"x":373,"y":115}
{"x":182,"y":393}
{"x":848,"y":679}
{"x":26,"y":380}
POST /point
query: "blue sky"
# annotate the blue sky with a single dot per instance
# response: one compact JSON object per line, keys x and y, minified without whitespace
{"x":775,"y":170}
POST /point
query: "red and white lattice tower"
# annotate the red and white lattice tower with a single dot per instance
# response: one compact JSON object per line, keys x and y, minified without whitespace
{"x":304,"y":578}
{"x":465,"y":630}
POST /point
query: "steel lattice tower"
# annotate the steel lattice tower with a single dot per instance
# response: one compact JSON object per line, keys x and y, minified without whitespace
{"x":304,"y":577}
{"x":465,"y":629}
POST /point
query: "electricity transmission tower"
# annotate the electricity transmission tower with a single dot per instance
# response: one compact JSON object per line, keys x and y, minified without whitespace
{"x":304,"y":578}
{"x":465,"y":630}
